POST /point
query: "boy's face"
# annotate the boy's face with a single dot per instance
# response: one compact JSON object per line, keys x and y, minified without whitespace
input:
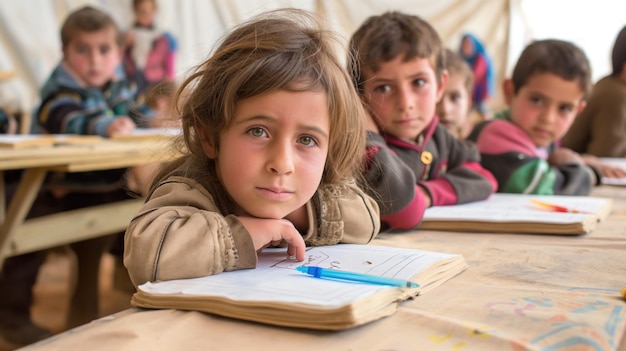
{"x":271,"y":158}
{"x":454,"y":106}
{"x":93,"y":56}
{"x":545,"y":106}
{"x":403,"y":95}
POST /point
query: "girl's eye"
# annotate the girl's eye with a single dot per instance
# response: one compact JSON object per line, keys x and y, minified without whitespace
{"x":382,"y":89}
{"x":257,"y":132}
{"x":307,"y":140}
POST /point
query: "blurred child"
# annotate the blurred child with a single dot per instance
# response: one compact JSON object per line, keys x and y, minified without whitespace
{"x":455,"y":105}
{"x":600,"y":129}
{"x":550,"y":83}
{"x":87,"y":93}
{"x":149,"y":54}
{"x":160,"y":99}
{"x":474,"y":53}
{"x":412,"y":160}
{"x":274,"y":138}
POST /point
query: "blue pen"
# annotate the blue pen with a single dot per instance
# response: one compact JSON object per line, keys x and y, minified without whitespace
{"x":319,"y":272}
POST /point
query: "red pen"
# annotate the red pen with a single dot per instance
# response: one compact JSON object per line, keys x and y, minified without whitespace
{"x":556,"y":208}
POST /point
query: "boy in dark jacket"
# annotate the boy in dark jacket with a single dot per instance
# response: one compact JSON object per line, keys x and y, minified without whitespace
{"x":413,"y":162}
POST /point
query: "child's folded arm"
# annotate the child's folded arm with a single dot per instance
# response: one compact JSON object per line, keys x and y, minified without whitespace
{"x":466,"y":183}
{"x":410,"y":215}
{"x":179,"y":234}
{"x":574,"y":179}
{"x":393,"y":185}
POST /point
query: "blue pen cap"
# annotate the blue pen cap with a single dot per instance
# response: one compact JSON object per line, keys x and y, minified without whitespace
{"x":312,"y":270}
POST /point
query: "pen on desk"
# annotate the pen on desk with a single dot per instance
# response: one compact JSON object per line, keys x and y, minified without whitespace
{"x":556,"y":208}
{"x":319,"y":272}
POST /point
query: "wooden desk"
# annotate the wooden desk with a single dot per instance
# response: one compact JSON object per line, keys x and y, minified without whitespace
{"x":18,"y":236}
{"x":521,"y":292}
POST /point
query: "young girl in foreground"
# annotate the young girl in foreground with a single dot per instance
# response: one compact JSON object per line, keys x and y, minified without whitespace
{"x":275,"y":136}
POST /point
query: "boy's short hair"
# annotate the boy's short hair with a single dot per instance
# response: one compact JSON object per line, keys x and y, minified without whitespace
{"x":456,"y":65}
{"x":618,"y":56}
{"x":383,"y":38}
{"x":86,"y":19}
{"x":557,"y":57}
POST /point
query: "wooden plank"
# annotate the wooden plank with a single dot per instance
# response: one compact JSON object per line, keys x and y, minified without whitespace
{"x":64,"y":156}
{"x":19,"y":206}
{"x":72,"y":226}
{"x":19,"y":141}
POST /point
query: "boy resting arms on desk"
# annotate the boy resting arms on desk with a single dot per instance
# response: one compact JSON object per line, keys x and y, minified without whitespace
{"x":550,"y":83}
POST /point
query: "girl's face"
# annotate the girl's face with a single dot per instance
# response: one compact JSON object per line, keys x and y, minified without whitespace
{"x":403,"y":95}
{"x":93,"y":56}
{"x":272,"y":157}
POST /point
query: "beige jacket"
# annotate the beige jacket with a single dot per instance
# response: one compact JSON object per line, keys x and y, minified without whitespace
{"x":180,"y":233}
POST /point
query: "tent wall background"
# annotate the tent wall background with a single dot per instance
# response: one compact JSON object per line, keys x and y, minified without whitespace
{"x":30,"y":44}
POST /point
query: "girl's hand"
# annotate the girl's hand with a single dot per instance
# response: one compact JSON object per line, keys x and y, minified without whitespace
{"x":121,"y":125}
{"x":271,"y":232}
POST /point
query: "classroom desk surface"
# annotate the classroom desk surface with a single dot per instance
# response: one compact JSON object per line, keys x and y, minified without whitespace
{"x":521,"y":292}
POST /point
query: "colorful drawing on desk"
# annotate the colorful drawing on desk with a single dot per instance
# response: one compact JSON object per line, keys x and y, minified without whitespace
{"x":555,"y":208}
{"x":583,"y":317}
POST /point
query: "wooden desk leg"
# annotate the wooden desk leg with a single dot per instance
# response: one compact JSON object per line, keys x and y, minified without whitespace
{"x":19,"y":207}
{"x":84,"y":304}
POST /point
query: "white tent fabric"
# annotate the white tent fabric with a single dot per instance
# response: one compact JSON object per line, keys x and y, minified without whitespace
{"x":30,"y":44}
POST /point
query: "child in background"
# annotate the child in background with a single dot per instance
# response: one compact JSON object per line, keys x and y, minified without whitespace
{"x":274,"y":134}
{"x":455,"y":105}
{"x":600,"y":129}
{"x":550,"y":83}
{"x":475,"y":54}
{"x":149,"y":54}
{"x":87,"y":93}
{"x":412,"y":160}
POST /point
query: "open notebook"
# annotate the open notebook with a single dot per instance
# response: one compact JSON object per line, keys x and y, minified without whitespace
{"x":276,"y":293}
{"x":518,"y":213}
